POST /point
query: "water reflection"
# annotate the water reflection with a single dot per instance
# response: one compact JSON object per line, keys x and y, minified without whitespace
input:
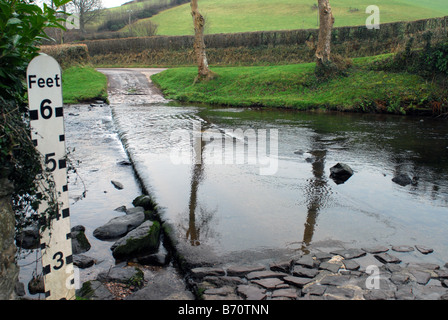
{"x":316,"y":196}
{"x":193,"y":231}
{"x":199,"y":219}
{"x":272,"y":211}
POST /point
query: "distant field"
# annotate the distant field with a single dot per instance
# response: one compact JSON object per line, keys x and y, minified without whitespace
{"x":125,"y":10}
{"x":228,"y":16}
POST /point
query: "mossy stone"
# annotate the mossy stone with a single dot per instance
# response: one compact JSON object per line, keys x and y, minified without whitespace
{"x":143,"y":240}
{"x":146,"y":202}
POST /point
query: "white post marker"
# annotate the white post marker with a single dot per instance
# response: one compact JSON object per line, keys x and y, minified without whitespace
{"x":47,"y":132}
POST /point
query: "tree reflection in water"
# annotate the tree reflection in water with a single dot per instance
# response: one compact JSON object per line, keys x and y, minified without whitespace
{"x":316,"y":195}
{"x":197,"y":221}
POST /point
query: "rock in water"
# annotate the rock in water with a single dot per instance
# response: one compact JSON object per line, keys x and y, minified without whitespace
{"x":29,"y":237}
{"x":402,"y":180}
{"x":36,"y":285}
{"x":146,"y":202}
{"x":80,"y":244}
{"x":117,"y":184}
{"x":82,"y":261}
{"x":142,"y":240}
{"x":340,"y":173}
{"x":119,"y":226}
{"x":423,"y":249}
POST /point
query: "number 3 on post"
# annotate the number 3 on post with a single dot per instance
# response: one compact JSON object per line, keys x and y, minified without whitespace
{"x":47,"y":131}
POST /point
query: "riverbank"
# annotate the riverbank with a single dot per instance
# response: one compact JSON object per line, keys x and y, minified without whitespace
{"x":82,"y":83}
{"x":363,"y":88}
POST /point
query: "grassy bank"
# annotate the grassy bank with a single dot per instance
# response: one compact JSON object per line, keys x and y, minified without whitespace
{"x":83,"y":83}
{"x":296,"y":86}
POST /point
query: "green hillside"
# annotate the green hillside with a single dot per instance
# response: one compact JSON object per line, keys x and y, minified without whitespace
{"x":228,"y":16}
{"x":130,"y":11}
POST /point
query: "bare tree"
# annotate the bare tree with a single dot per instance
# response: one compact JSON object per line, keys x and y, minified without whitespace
{"x":204,"y":72}
{"x":326,"y":18}
{"x":87,"y":11}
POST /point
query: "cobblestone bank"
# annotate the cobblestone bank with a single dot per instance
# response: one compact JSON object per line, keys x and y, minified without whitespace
{"x":327,"y":276}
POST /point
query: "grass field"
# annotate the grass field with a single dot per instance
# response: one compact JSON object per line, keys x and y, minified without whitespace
{"x":83,"y":83}
{"x":296,"y":87}
{"x":228,"y":16}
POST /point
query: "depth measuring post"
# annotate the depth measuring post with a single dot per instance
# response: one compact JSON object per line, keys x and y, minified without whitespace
{"x":47,"y":132}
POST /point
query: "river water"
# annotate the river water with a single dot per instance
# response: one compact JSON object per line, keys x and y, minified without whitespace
{"x":245,"y":185}
{"x":199,"y":163}
{"x":233,"y":207}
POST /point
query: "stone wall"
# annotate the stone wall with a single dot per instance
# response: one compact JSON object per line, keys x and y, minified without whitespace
{"x":264,"y":47}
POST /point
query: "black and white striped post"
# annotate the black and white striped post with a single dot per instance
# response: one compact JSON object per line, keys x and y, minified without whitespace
{"x":44,"y":81}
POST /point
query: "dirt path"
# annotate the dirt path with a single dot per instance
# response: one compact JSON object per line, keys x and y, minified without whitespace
{"x":132,"y":86}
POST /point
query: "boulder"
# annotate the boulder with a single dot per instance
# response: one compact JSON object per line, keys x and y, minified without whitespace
{"x":121,"y":273}
{"x":36,"y":285}
{"x":424,"y":249}
{"x":134,"y":210}
{"x":80,"y":244}
{"x":82,"y":261}
{"x":29,"y":237}
{"x":166,"y":286}
{"x":146,"y":202}
{"x":160,"y":258}
{"x":402,"y":180}
{"x":119,"y":226}
{"x":340,"y":173}
{"x":120,"y":209}
{"x":94,"y":290}
{"x":117,"y":185}
{"x":143,"y":240}
{"x":154,"y":259}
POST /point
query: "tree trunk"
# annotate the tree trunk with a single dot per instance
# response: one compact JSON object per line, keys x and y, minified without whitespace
{"x":325,"y":26}
{"x":9,"y":271}
{"x":82,"y":21}
{"x":204,"y":72}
